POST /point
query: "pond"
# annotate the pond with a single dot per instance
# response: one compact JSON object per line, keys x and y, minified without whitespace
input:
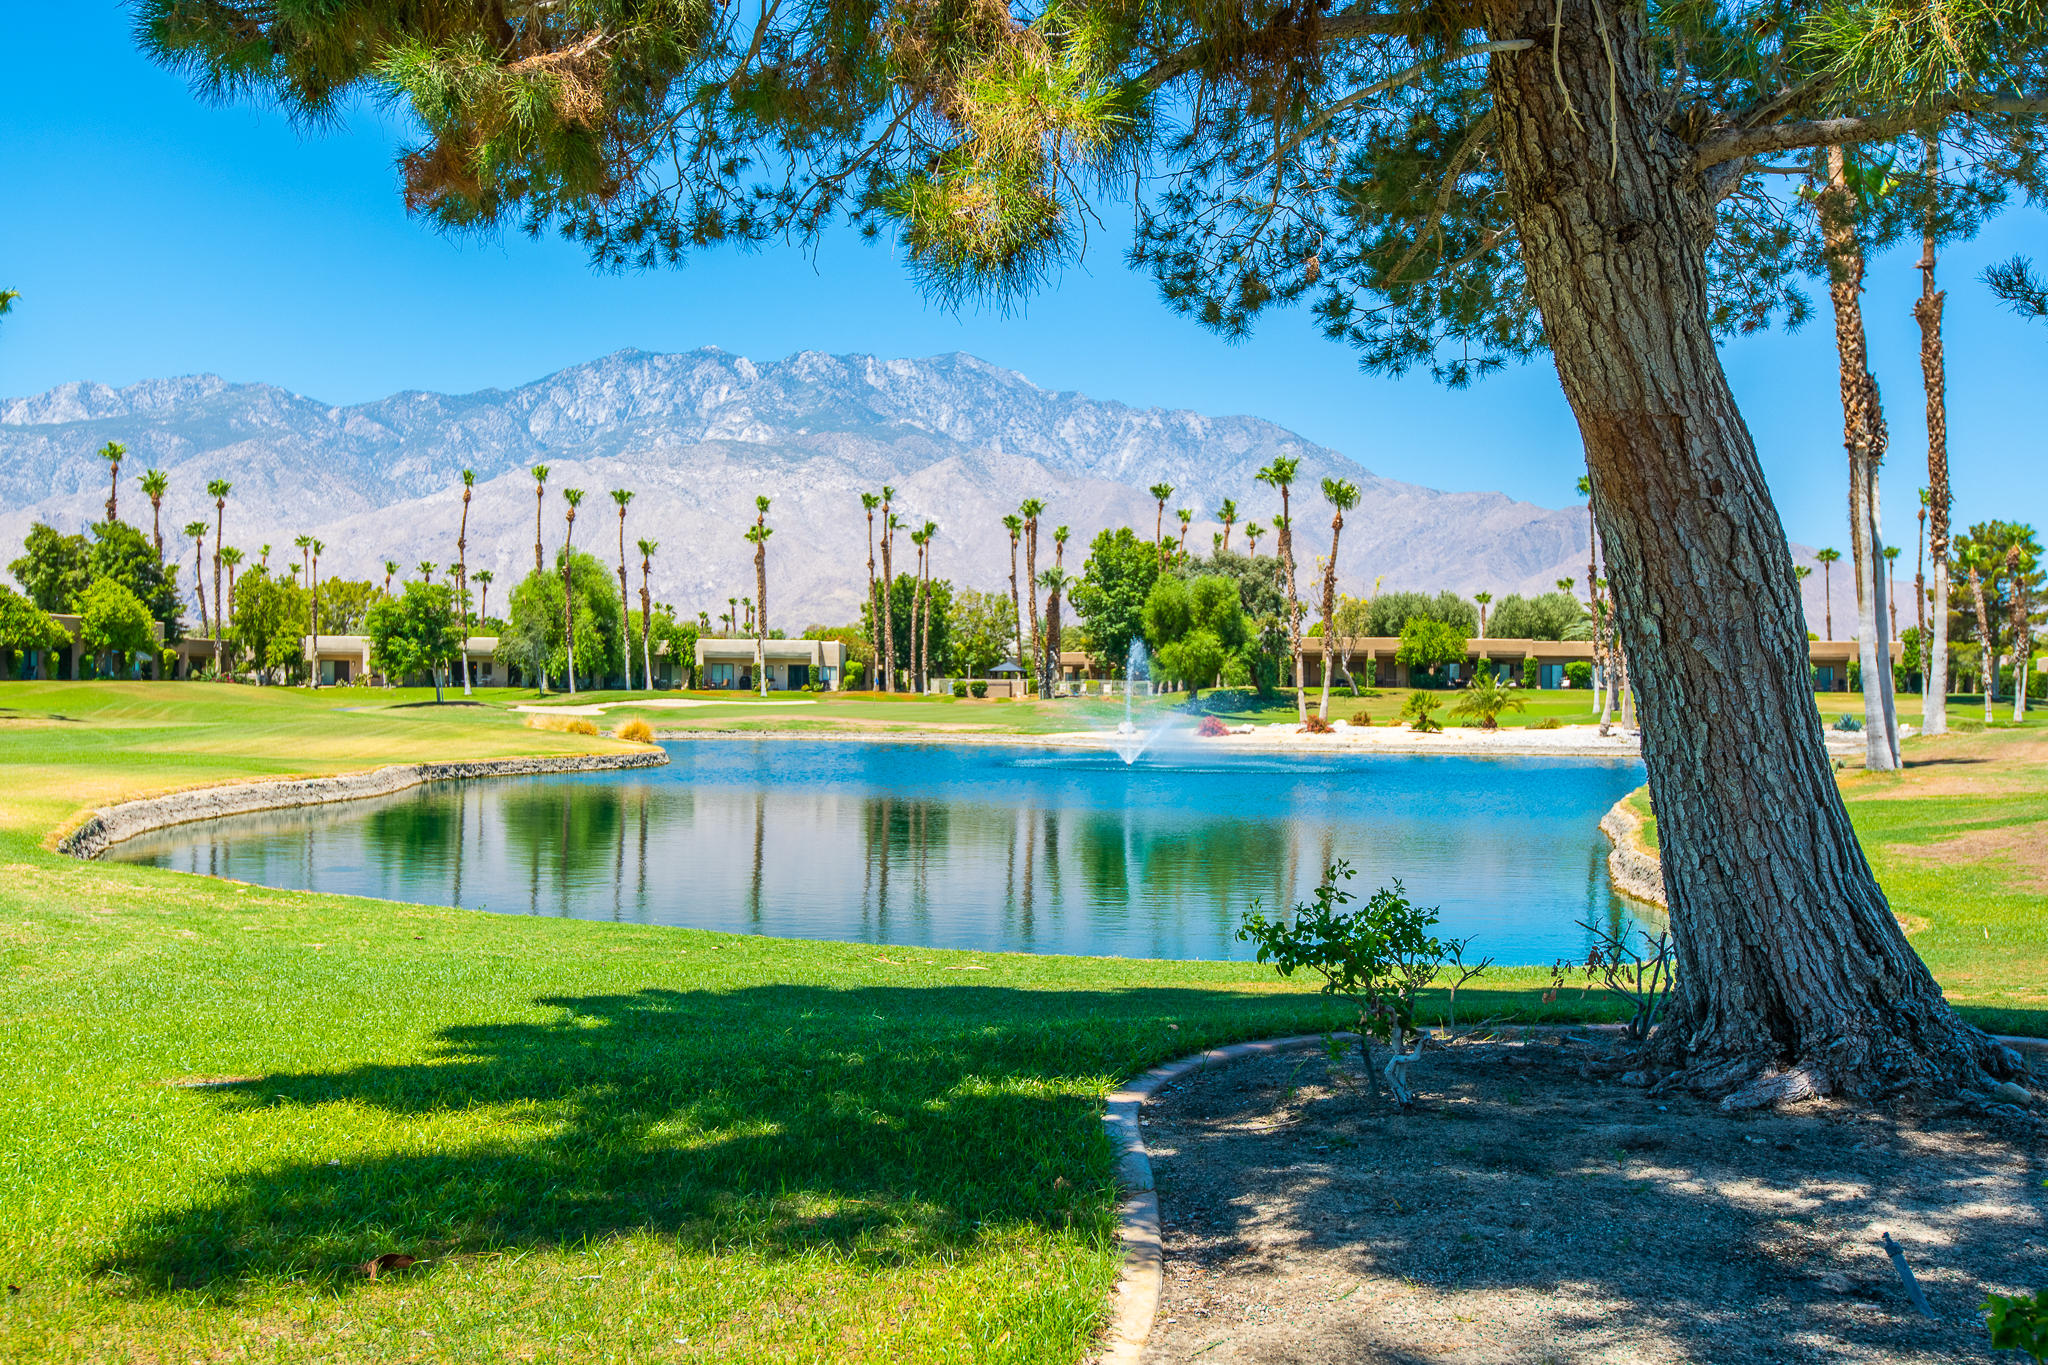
{"x":953,"y":846}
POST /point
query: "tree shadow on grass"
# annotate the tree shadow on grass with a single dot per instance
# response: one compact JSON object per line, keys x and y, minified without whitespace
{"x":887,"y":1124}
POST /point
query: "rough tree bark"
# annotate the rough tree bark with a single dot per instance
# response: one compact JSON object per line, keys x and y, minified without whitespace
{"x":1789,"y":955}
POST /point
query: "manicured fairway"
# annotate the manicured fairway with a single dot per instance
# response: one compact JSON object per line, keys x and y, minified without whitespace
{"x":603,"y":1142}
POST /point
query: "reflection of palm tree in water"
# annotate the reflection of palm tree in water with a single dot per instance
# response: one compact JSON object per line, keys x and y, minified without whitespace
{"x":754,"y":895}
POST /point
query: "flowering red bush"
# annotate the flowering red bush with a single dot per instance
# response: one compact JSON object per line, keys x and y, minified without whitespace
{"x":1211,"y":728}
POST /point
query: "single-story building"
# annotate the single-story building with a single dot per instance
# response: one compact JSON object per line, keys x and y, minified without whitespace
{"x":342,"y":659}
{"x":68,"y":662}
{"x":728,"y":664}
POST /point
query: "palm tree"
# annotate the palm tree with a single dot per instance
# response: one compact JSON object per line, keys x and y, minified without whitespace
{"x":1252,"y":532}
{"x":746,"y":616}
{"x":889,"y":528}
{"x":622,"y":496}
{"x":1565,"y":584}
{"x":1030,"y":512}
{"x":2019,"y":567}
{"x":1934,"y":375}
{"x":313,"y":549}
{"x":647,"y":549}
{"x":1827,"y":559}
{"x":263,"y":556}
{"x":390,"y":570}
{"x":483,"y":579}
{"x":1280,"y":474}
{"x":218,"y":490}
{"x":1054,"y":581}
{"x":231,"y":557}
{"x":920,"y":538}
{"x":1160,"y":493}
{"x":1227,"y":514}
{"x":1059,"y":546}
{"x":869,"y":502}
{"x":573,"y":497}
{"x":931,"y":551}
{"x":540,"y":503}
{"x":1342,"y":497}
{"x":758,"y":533}
{"x":197,"y":530}
{"x":155,"y":483}
{"x":1599,"y":617}
{"x":1014,"y":524}
{"x":1185,"y":517}
{"x":113,"y":452}
{"x":462,"y":572}
{"x":1484,"y":599}
{"x":1976,"y":560}
{"x":425,"y":569}
{"x":1920,"y":601}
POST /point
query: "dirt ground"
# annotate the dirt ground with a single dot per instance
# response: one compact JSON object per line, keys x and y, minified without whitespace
{"x":1529,"y":1211}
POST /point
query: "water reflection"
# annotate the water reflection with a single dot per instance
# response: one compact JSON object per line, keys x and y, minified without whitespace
{"x":971,"y":848}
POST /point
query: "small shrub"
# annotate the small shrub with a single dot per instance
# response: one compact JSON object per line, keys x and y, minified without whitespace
{"x":1361,"y":717}
{"x":1578,"y":673}
{"x":1316,"y":725}
{"x":1212,"y":728}
{"x":2019,"y":1323}
{"x":977,"y":690}
{"x":637,"y":731}
{"x":1419,"y":711}
{"x":580,"y":726}
{"x":1848,"y":724}
{"x":1547,"y":723}
{"x":1531,"y":677}
{"x":959,"y":689}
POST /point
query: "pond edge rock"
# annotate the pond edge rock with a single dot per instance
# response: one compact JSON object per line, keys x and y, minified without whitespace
{"x":1632,"y":866}
{"x":110,"y":825}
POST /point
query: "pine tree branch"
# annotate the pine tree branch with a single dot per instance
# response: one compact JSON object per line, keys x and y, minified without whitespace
{"x":1334,"y":31}
{"x":1836,"y":132}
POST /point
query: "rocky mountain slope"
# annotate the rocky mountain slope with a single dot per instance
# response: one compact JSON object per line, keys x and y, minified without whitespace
{"x":697,"y":436}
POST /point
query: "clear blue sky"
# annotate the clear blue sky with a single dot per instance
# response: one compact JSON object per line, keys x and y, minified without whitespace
{"x":152,"y":235}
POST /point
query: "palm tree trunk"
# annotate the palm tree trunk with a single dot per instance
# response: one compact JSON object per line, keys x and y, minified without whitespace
{"x":1987,"y":646}
{"x":462,"y":587}
{"x":930,"y":553}
{"x":219,"y":604}
{"x":1031,"y":577}
{"x":626,"y":612}
{"x":1016,"y":605}
{"x":888,"y":621}
{"x":2022,"y":641}
{"x":1330,"y":612}
{"x":761,"y":615}
{"x":1933,"y":374}
{"x":569,"y":599}
{"x":874,"y":600}
{"x":1293,"y":606}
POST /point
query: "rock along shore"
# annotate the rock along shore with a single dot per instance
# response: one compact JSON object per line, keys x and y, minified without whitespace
{"x":110,"y":825}
{"x":1632,"y":866}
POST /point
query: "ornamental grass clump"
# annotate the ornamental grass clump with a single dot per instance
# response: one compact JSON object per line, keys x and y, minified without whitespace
{"x":636,"y":731}
{"x":562,"y":725}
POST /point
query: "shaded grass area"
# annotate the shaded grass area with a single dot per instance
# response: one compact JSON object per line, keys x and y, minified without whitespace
{"x":601,"y":1141}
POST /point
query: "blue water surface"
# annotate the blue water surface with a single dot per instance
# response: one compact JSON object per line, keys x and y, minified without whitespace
{"x":981,"y":847}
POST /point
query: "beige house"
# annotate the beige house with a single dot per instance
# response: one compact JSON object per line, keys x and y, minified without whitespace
{"x":728,"y":664}
{"x":338,"y":659}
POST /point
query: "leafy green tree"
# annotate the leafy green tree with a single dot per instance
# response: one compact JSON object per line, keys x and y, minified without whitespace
{"x":1392,"y":611}
{"x":897,"y":631}
{"x":1450,"y":188}
{"x":417,"y":632}
{"x":533,"y":638}
{"x":269,"y":616}
{"x":345,"y":604}
{"x":123,"y":554}
{"x":112,"y":625}
{"x":1194,"y":627}
{"x":53,"y":568}
{"x":979,"y":626}
{"x":25,"y":627}
{"x":1116,"y":579}
{"x":1989,"y":545}
{"x":1428,"y":645}
{"x":1546,"y":616}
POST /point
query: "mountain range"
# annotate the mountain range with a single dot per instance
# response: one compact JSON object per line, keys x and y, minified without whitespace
{"x":698,"y":435}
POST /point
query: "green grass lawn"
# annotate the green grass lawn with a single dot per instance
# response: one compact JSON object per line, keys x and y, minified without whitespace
{"x":604,"y":1142}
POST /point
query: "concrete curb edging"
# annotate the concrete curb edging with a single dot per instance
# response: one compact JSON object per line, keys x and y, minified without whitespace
{"x":1135,"y":1301}
{"x":104,"y":828}
{"x":1632,"y":867}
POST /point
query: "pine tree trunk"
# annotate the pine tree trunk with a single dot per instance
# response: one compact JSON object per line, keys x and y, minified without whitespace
{"x":1788,"y":953}
{"x":1934,"y":376}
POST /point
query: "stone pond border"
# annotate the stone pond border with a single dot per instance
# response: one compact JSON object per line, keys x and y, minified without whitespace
{"x":110,"y":825}
{"x":1632,"y":865}
{"x":1134,"y":1303}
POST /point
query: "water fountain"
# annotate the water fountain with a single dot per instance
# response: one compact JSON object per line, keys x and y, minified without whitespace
{"x":1130,"y":740}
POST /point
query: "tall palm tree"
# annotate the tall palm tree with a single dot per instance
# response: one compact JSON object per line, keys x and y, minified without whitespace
{"x":1342,"y":497}
{"x":197,"y":530}
{"x":1280,"y":474}
{"x":313,"y":549}
{"x":462,"y":571}
{"x":1014,"y":524}
{"x":1054,"y":581}
{"x":1252,"y":532}
{"x":218,"y":490}
{"x":931,"y":552}
{"x":1484,"y":599}
{"x":2019,"y":567}
{"x":573,"y":497}
{"x":1864,"y":438}
{"x":1920,"y":599}
{"x":540,"y":506}
{"x":113,"y":452}
{"x":1934,"y":378}
{"x":759,"y":533}
{"x":1597,"y":616}
{"x":155,"y":483}
{"x":1227,"y":514}
{"x":483,"y":578}
{"x":1827,"y":557}
{"x":1976,"y":560}
{"x":232,"y":557}
{"x":647,"y":549}
{"x":1185,"y":517}
{"x":921,"y":537}
{"x":1030,"y":511}
{"x":622,"y":496}
{"x":746,"y":616}
{"x":390,"y":571}
{"x":869,"y":502}
{"x":890,"y":526}
{"x":425,"y":569}
{"x":1059,"y":546}
{"x":1160,"y":493}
